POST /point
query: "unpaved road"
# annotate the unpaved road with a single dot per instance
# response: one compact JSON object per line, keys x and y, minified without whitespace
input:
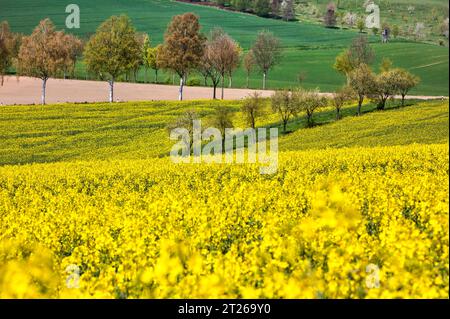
{"x":26,"y":90}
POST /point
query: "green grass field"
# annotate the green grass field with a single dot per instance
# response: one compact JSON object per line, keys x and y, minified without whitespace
{"x":309,"y":48}
{"x":34,"y":134}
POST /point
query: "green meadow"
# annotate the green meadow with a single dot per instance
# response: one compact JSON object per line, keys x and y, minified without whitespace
{"x":309,"y":48}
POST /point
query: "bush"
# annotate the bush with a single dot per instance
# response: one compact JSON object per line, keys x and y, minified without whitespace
{"x":194,"y":82}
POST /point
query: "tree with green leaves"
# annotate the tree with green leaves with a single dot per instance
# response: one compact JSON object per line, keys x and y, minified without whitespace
{"x":384,"y":87}
{"x":145,"y":56}
{"x":362,"y":80}
{"x":267,"y":53}
{"x":113,"y":50}
{"x":261,"y":7}
{"x":153,"y":60}
{"x":386,"y":65}
{"x":183,"y":47}
{"x":404,"y":82}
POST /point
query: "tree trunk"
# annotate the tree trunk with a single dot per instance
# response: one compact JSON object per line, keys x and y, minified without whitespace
{"x":230,"y":83}
{"x":360,"y":102}
{"x":264,"y":80}
{"x":284,"y":126}
{"x":248,"y":81}
{"x":156,"y":76}
{"x":214,"y":90}
{"x":403,"y":99}
{"x":111,"y":90}
{"x":181,"y":88}
{"x":223,"y":86}
{"x":338,"y":114}
{"x":44,"y":88}
{"x":145,"y":75}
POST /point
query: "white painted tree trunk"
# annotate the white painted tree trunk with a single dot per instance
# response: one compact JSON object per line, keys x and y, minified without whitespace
{"x":111,"y":91}
{"x":44,"y":88}
{"x":264,"y":80}
{"x":181,"y":89}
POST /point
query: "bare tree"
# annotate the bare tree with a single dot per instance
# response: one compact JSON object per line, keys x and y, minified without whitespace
{"x":340,"y":98}
{"x":207,"y":67}
{"x":249,"y":64}
{"x":252,"y":108}
{"x":224,"y":56}
{"x":267,"y":52}
{"x":308,"y":102}
{"x":222,"y":120}
{"x":283,"y":104}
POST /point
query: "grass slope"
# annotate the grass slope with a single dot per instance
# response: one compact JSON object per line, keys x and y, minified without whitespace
{"x":309,"y":48}
{"x":34,"y":134}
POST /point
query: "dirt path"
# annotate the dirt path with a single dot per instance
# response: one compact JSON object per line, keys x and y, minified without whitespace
{"x":28,"y":91}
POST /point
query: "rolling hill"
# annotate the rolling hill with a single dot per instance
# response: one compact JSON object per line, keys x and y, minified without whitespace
{"x":309,"y":48}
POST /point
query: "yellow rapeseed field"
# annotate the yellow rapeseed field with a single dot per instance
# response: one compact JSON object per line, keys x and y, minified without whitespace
{"x":347,"y":223}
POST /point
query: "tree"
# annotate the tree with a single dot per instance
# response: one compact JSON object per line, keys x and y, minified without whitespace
{"x":350,"y":19}
{"x":395,"y":31}
{"x":113,"y":50}
{"x":222,"y":120}
{"x":340,"y":98}
{"x":249,"y":64}
{"x":288,"y":10}
{"x":252,"y":108}
{"x":384,"y":87}
{"x":72,"y":50}
{"x":153,"y":60}
{"x":283,"y":104}
{"x":261,"y":7}
{"x":386,"y":65}
{"x":275,"y":7}
{"x":43,"y":54}
{"x":404,"y":82}
{"x":145,"y":56}
{"x":223,"y":52}
{"x":186,"y":121}
{"x":6,"y":52}
{"x":362,"y":81}
{"x":308,"y":102}
{"x":235,"y":65}
{"x":343,"y":64}
{"x":207,"y":67}
{"x":183,"y":46}
{"x":267,"y":52}
{"x":330,"y":16}
{"x":360,"y":25}
{"x":301,"y":77}
{"x":361,"y":52}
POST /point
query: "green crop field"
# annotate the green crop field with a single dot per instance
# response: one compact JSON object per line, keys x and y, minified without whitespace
{"x":70,"y":132}
{"x":309,"y":47}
